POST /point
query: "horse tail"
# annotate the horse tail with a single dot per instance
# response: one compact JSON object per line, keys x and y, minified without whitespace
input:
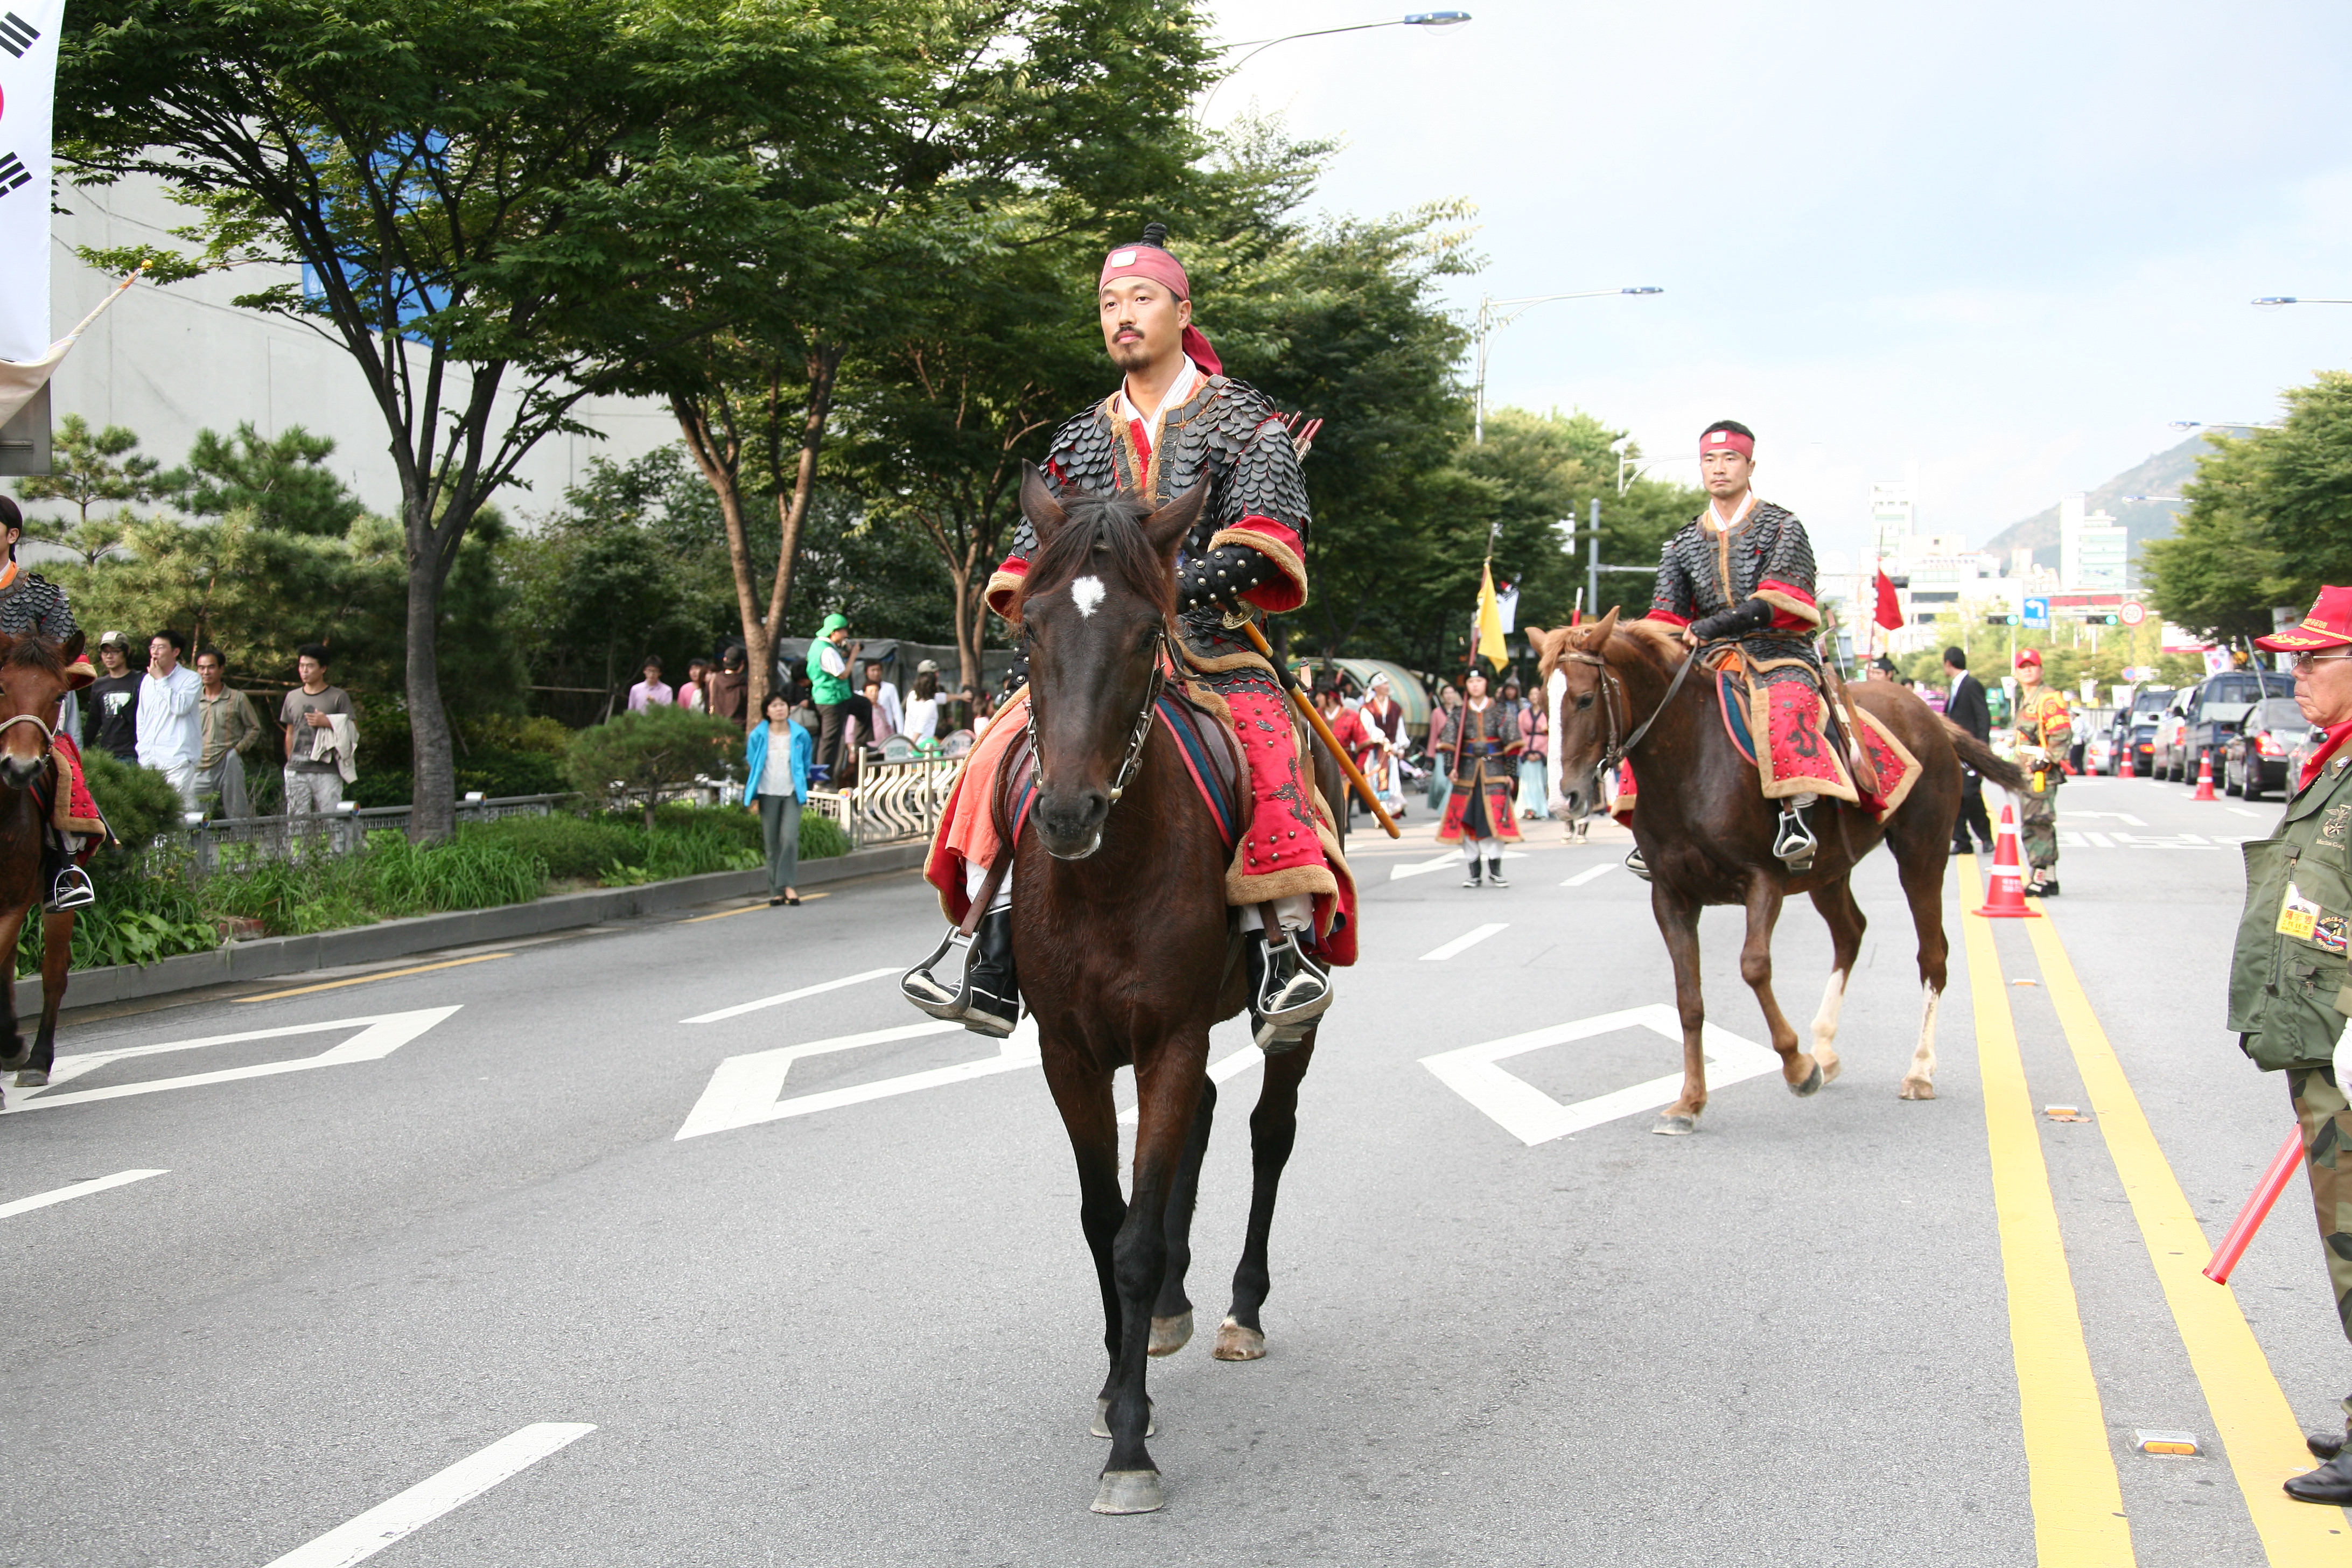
{"x":1981,"y":757}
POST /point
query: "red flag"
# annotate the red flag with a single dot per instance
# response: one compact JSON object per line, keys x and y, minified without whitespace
{"x":1890,"y":614}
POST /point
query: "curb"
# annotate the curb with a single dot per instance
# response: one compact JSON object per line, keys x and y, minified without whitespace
{"x":268,"y":957}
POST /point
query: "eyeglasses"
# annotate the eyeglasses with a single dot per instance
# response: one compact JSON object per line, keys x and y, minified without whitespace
{"x":2305,"y":663}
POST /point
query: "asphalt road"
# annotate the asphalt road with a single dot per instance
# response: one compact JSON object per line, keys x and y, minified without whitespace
{"x":834,"y":1307}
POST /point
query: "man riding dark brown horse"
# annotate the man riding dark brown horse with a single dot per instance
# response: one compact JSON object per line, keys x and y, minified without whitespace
{"x":1177,"y":420}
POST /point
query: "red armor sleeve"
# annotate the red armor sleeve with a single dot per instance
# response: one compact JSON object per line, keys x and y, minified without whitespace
{"x":1793,"y":609}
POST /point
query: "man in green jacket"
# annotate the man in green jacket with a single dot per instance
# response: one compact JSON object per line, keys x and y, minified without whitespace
{"x":828,"y":673}
{"x":2290,"y":979}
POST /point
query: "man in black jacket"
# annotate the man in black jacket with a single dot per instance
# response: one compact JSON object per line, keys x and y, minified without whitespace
{"x":1965,"y":706}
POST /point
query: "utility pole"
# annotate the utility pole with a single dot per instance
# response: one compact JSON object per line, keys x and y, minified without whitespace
{"x":1592,"y":558}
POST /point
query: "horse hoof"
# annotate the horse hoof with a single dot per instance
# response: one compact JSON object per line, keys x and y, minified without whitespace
{"x":1130,"y":1492}
{"x":32,"y":1077}
{"x":1101,"y":1428}
{"x":1169,"y":1335}
{"x":1237,"y":1342}
{"x":1673,"y":1126}
{"x":1812,"y":1085}
{"x":1915,"y":1088}
{"x":1831,"y":1068}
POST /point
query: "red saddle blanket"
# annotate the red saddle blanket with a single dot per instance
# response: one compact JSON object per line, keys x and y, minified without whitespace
{"x":1802,"y":755}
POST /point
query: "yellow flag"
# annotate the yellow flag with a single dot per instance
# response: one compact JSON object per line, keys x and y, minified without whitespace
{"x":1490,"y":620}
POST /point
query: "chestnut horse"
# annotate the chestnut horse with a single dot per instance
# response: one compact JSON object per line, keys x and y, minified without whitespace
{"x":1125,"y":948}
{"x":33,"y":684}
{"x":1705,"y":830}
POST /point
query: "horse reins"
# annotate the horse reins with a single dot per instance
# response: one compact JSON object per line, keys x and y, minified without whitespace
{"x":48,"y":734}
{"x":1613,"y":695}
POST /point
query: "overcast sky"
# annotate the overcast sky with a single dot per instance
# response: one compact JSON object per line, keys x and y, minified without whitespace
{"x":2007,"y":242}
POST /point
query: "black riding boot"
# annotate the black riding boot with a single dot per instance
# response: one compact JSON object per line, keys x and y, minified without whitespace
{"x":1287,"y":992}
{"x":1495,"y":872}
{"x":987,"y":997}
{"x":1473,"y":874}
{"x":995,"y":1006}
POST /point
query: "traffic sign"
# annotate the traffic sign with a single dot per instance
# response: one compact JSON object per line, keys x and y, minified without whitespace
{"x":2037,"y":614}
{"x":2134,"y":612}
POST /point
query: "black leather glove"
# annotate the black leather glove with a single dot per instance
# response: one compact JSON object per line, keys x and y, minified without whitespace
{"x":1222,"y":576}
{"x":1752,"y":616}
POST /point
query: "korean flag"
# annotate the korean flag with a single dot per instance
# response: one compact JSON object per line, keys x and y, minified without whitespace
{"x":28,"y":70}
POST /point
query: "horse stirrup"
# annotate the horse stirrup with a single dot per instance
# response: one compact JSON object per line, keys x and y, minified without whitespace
{"x":1796,"y":844}
{"x":1289,"y":994}
{"x":921,"y":987}
{"x":72,"y":890}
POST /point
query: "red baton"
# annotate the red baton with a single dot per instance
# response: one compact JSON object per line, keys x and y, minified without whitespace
{"x":2258,"y":1207}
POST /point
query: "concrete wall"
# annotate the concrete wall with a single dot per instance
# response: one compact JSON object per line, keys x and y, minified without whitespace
{"x":169,"y":362}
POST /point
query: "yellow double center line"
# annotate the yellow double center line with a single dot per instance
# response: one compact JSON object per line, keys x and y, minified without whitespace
{"x":2078,"y":1507}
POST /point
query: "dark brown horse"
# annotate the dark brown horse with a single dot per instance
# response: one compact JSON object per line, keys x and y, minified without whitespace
{"x":1705,"y":830}
{"x":33,"y":683}
{"x":1127,"y":949}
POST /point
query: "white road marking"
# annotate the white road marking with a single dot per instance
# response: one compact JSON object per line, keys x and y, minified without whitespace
{"x":740,"y":1008}
{"x":1463,"y":943}
{"x":2125,"y":817}
{"x":1222,"y":1070}
{"x":2099,"y":840}
{"x":379,"y":1035}
{"x":79,"y":1190}
{"x":1086,"y":592}
{"x":747,"y":1090}
{"x":1589,"y":874}
{"x":1533,"y":1117}
{"x":1421,"y":868}
{"x":2247,"y":811}
{"x":428,"y":1500}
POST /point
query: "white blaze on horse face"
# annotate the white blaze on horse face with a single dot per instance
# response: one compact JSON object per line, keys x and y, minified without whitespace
{"x":1086,"y":592}
{"x":1555,"y":688}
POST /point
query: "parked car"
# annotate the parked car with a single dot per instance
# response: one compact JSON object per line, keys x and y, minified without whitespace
{"x":2255,"y":760}
{"x":2164,"y":746}
{"x":2134,"y":729}
{"x":2092,"y":726}
{"x":2221,"y":702}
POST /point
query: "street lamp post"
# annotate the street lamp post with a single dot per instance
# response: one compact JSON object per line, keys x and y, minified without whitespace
{"x":1257,"y":46}
{"x":2222,"y":425}
{"x":1489,"y":319}
{"x":2273,"y":301}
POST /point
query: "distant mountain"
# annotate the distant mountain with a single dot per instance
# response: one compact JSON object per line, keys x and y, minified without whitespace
{"x":2162,"y":475}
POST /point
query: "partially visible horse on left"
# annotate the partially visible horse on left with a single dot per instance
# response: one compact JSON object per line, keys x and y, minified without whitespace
{"x":33,"y":685}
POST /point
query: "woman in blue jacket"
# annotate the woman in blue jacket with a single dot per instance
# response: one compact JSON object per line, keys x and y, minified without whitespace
{"x":775,"y":781}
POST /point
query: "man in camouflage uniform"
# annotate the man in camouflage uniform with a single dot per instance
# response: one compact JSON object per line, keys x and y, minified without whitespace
{"x":1743,"y":570}
{"x":2044,"y":729}
{"x":1177,"y":419}
{"x":2290,"y":978}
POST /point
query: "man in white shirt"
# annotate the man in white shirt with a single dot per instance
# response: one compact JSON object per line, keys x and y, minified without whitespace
{"x":887,"y":710}
{"x":171,"y":716}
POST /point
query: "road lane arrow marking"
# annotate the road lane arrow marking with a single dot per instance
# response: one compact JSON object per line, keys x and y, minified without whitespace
{"x":1451,"y":858}
{"x":404,"y":1513}
{"x":740,"y":1008}
{"x":378,"y":1037}
{"x":79,"y":1190}
{"x":1533,"y":1117}
{"x":749,"y":1089}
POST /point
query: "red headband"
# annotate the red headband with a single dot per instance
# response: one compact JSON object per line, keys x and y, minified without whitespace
{"x":1716,"y":440}
{"x":1150,"y":261}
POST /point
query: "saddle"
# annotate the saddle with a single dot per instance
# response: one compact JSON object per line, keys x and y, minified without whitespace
{"x":1856,"y":759}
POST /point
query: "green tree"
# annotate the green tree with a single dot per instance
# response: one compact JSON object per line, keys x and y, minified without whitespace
{"x":283,"y":480}
{"x":500,"y":205}
{"x":89,"y":467}
{"x":639,"y":756}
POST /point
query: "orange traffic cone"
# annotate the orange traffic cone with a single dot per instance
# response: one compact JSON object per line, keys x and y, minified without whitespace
{"x":2204,"y":776}
{"x":2005,"y":895}
{"x":2125,"y":771}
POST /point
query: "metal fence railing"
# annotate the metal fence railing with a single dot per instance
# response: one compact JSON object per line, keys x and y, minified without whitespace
{"x":245,"y":840}
{"x":892,"y":802}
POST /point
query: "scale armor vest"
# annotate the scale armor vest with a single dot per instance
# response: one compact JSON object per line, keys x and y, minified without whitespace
{"x":1771,"y":544}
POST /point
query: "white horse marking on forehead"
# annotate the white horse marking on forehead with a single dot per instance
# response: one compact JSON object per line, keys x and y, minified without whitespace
{"x":1086,"y":592}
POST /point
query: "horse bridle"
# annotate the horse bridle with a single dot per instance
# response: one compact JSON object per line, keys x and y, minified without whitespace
{"x":48,"y":734}
{"x":1134,"y":740}
{"x":1613,"y":697}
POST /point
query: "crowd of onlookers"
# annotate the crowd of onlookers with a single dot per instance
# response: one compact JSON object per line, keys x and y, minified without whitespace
{"x":148,"y":707}
{"x":1370,"y":726}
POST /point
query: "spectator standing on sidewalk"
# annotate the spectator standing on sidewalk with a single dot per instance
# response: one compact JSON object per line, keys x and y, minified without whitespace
{"x":231,"y":730}
{"x":314,"y":786}
{"x":923,"y":704}
{"x":889,"y":716}
{"x":113,"y":725}
{"x":776,"y":755}
{"x":694,"y":691}
{"x":650,"y":692}
{"x":171,"y":730}
{"x":730,"y":687}
{"x":1965,"y":705}
{"x":828,"y":673}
